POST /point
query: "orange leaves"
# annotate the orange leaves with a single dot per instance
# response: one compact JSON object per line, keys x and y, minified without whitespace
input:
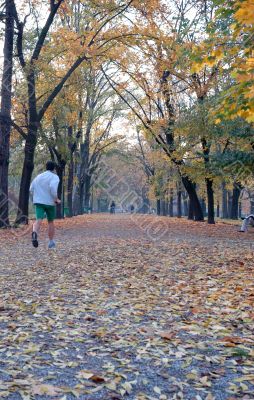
{"x":112,"y":313}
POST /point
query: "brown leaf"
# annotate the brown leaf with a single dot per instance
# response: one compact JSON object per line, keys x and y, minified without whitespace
{"x":166,"y":335}
{"x":97,"y":379}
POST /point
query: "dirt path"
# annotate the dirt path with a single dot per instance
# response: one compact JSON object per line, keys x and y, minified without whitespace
{"x":114,"y":314}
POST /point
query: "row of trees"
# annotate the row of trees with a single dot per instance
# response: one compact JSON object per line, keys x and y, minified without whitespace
{"x":180,"y":71}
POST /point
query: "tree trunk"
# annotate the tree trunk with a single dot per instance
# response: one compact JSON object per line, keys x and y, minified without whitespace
{"x":190,"y":211}
{"x":60,"y":207}
{"x":210,"y":200}
{"x":235,"y":201}
{"x":145,"y":208}
{"x":203,"y":205}
{"x":169,"y":133}
{"x":166,"y":207}
{"x":224,"y":201}
{"x":84,"y":169}
{"x":163,"y":208}
{"x":179,"y":204}
{"x":194,"y":201}
{"x":158,"y":203}
{"x":70,"y":172}
{"x":28,"y":167}
{"x":70,"y":187}
{"x":185,"y":204}
{"x":81,"y":198}
{"x":209,"y":181}
{"x":87,"y":191}
{"x":5,"y":117}
{"x":31,"y":141}
{"x":171,"y":203}
{"x":229,"y":203}
{"x":218,"y":210}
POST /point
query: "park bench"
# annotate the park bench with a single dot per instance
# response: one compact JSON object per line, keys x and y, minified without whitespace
{"x":249,"y":220}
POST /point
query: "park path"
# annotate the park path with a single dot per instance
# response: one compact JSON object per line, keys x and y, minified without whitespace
{"x":113,"y":313}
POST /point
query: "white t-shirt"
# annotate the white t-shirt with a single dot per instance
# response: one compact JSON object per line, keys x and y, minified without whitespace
{"x":44,"y":188}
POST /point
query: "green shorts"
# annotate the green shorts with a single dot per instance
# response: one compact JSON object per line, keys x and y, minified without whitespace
{"x":42,"y":209}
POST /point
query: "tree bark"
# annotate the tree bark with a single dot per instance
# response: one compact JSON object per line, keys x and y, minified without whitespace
{"x":72,"y":147}
{"x":5,"y":117}
{"x":190,"y":211}
{"x":218,"y":210}
{"x":81,"y":198}
{"x":84,"y":168}
{"x":60,"y":172}
{"x":224,"y":201}
{"x":87,"y":194}
{"x":235,"y":202}
{"x":195,"y":206}
{"x":185,"y":204}
{"x":229,"y":202}
{"x":163,"y":208}
{"x":171,"y":203}
{"x":208,"y":180}
{"x":70,"y":187}
{"x":158,"y":203}
{"x":203,"y":205}
{"x":28,"y":167}
{"x":210,"y":201}
{"x":179,"y":204}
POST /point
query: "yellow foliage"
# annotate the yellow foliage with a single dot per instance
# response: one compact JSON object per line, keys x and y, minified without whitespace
{"x":245,"y":12}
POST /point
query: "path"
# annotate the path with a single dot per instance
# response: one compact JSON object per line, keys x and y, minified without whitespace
{"x":114,"y":314}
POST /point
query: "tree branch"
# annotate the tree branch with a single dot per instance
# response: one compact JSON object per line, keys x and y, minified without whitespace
{"x":18,"y":129}
{"x":45,"y":29}
{"x":58,"y":87}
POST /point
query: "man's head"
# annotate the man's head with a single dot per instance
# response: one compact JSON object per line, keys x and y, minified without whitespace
{"x":50,"y":166}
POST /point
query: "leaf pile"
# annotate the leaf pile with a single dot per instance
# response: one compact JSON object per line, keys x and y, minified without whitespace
{"x":113,"y":314}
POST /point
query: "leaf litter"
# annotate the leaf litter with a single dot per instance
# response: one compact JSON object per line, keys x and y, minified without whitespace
{"x":113,"y":314}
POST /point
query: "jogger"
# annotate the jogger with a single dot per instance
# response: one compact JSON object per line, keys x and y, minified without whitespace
{"x":44,"y":190}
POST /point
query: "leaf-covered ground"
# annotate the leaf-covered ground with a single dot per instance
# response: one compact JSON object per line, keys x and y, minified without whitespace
{"x":113,"y":314}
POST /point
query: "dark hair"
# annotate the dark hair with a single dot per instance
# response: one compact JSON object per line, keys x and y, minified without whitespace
{"x":50,"y":166}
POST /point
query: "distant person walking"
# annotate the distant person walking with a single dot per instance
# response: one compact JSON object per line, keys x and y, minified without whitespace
{"x":113,"y":208}
{"x":44,"y":191}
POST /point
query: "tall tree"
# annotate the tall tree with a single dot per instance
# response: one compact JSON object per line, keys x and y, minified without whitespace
{"x":5,"y":116}
{"x":93,"y":41}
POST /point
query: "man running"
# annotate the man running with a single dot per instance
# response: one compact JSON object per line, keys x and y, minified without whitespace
{"x":44,"y":191}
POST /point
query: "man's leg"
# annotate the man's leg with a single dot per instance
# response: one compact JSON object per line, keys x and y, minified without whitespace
{"x":51,"y":233}
{"x":39,"y":213}
{"x":51,"y":213}
{"x":37,"y":225}
{"x":36,"y":228}
{"x":51,"y":230}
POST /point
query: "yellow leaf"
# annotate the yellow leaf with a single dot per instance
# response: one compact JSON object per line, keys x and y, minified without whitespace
{"x":47,"y":390}
{"x":127,"y":386}
{"x":157,"y":390}
{"x":85,"y":374}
